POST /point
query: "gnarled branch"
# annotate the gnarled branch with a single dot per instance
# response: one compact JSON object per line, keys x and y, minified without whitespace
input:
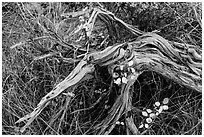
{"x":176,"y":61}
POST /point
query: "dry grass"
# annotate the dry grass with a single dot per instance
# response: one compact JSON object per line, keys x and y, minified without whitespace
{"x":25,"y":80}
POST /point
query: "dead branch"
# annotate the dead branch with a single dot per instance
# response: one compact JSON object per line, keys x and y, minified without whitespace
{"x":176,"y":61}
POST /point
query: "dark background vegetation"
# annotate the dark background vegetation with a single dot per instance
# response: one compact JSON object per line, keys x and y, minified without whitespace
{"x":25,"y":81}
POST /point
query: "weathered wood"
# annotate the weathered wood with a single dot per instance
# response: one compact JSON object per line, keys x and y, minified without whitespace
{"x":180,"y":62}
{"x":183,"y":65}
{"x":77,"y":75}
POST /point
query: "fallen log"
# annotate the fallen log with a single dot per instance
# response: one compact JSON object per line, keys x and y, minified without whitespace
{"x":180,"y":62}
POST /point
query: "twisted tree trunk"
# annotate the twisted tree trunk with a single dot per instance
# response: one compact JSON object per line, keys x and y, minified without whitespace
{"x":176,"y":61}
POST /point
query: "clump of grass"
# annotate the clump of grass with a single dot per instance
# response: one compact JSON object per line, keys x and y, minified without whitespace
{"x":25,"y":80}
{"x":184,"y":114}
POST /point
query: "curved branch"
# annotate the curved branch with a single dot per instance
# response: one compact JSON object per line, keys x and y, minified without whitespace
{"x":121,"y":106}
{"x":77,"y":75}
{"x":182,"y":65}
